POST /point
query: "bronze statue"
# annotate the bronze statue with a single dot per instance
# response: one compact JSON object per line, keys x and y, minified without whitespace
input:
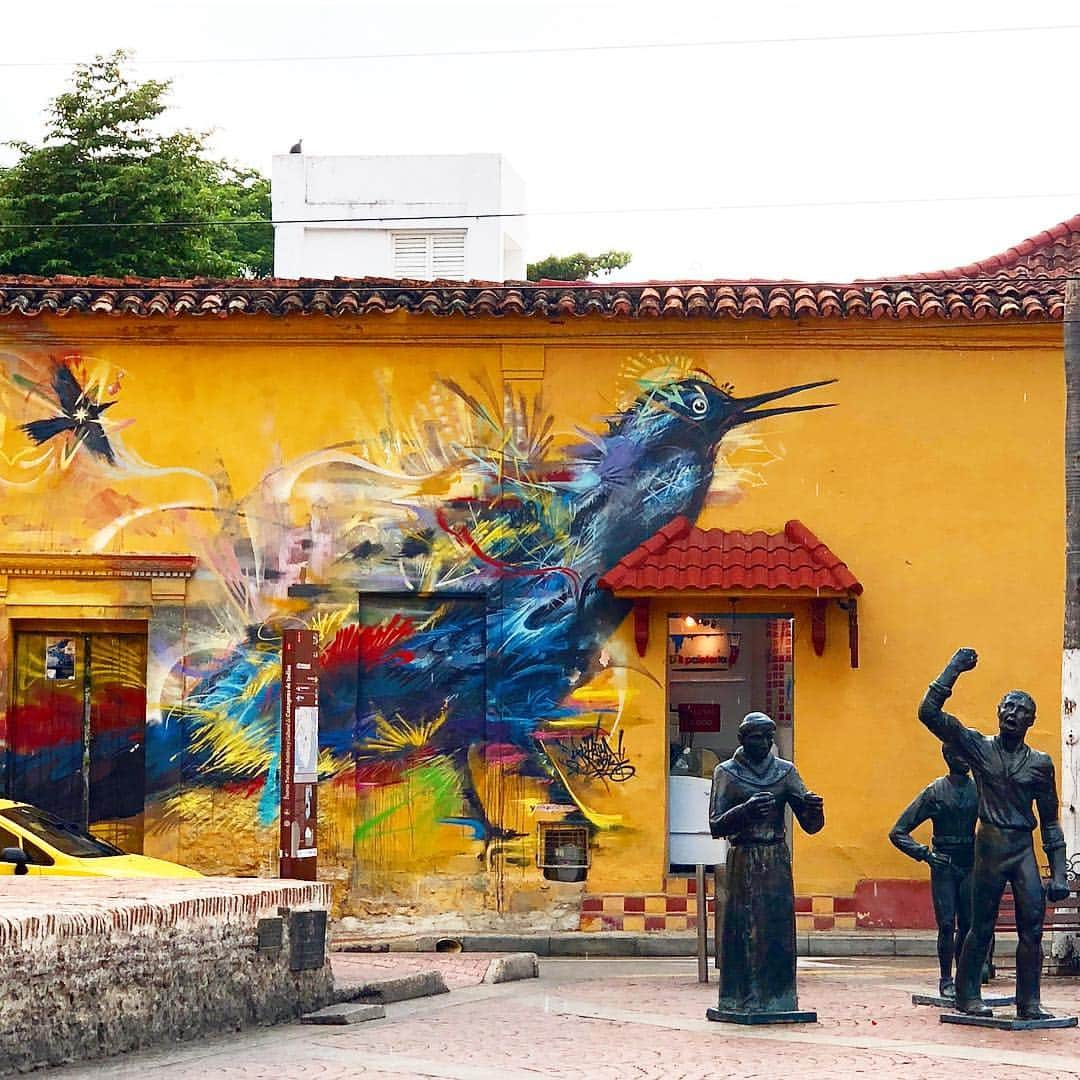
{"x":951,"y":803}
{"x":750,"y":792}
{"x":1010,"y":777}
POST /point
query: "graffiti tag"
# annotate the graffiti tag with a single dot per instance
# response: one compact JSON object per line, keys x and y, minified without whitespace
{"x":592,"y":756}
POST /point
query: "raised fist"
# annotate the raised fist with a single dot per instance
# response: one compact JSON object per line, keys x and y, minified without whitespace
{"x":964,"y":659}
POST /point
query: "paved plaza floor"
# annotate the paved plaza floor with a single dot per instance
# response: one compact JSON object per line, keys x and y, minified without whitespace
{"x":635,"y":1019}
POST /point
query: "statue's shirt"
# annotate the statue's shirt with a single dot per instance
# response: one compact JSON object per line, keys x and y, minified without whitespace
{"x":952,"y":807}
{"x":737,"y":779}
{"x":1007,"y":782}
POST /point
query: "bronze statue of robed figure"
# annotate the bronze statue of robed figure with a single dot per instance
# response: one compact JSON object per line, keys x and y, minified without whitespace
{"x":750,"y":793}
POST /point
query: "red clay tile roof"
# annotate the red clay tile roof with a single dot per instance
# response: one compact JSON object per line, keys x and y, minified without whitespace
{"x":1025,"y":282}
{"x":1037,"y":299}
{"x":682,"y":556}
{"x":1053,"y":253}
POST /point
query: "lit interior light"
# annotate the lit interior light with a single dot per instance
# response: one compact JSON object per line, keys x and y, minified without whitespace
{"x":690,"y":620}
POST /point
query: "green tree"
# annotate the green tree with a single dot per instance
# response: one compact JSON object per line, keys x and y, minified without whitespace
{"x":579,"y":266}
{"x":104,"y":162}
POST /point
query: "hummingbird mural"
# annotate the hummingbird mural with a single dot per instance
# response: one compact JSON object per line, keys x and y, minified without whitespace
{"x":79,"y":414}
{"x":515,"y":617}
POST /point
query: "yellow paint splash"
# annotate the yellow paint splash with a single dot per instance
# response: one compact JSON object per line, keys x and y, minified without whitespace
{"x":395,"y":734}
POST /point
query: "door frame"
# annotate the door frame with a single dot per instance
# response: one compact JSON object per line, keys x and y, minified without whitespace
{"x":83,"y":629}
{"x":679,"y":608}
{"x":109,"y":591}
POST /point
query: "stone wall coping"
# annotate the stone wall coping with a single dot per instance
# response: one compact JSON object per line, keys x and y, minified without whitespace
{"x":94,"y":565}
{"x":35,"y":909}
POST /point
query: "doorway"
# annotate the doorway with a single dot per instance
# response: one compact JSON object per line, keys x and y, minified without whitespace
{"x":720,"y":667}
{"x":77,"y":726}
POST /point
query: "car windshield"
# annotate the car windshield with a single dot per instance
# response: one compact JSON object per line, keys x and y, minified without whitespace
{"x":66,"y":838}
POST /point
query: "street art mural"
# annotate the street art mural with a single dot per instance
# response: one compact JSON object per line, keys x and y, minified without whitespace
{"x":448,"y":555}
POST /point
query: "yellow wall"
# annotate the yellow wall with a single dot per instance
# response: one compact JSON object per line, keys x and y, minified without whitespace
{"x":938,"y":478}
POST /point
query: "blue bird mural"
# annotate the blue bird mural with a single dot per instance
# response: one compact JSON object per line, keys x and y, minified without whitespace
{"x":500,"y":617}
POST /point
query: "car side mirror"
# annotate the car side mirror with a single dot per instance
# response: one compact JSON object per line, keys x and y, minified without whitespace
{"x":18,"y":857}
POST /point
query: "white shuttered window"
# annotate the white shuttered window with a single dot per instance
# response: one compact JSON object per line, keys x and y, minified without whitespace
{"x":429,"y":255}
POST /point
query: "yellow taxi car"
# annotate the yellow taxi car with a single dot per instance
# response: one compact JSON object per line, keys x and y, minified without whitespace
{"x":33,"y":841}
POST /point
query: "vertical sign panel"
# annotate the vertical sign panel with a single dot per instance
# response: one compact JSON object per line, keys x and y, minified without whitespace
{"x":299,"y":753}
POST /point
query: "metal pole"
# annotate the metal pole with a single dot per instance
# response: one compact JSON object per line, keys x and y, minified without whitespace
{"x":702,"y":924}
{"x":1070,"y":659}
{"x":718,"y":913}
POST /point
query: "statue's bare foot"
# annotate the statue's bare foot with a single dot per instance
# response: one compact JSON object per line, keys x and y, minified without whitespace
{"x":977,"y":1007}
{"x":947,"y":988}
{"x":1033,"y":1012}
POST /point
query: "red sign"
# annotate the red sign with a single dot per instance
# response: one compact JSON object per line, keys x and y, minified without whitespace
{"x":698,"y":717}
{"x":298,"y":771}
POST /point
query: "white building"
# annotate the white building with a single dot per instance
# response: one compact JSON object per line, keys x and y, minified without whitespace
{"x":399,"y":217}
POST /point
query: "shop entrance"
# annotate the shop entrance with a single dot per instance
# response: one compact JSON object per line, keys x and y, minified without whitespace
{"x":720,"y":667}
{"x":77,"y":726}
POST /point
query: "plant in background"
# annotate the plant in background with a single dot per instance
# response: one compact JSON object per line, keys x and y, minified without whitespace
{"x":579,"y":266}
{"x":104,"y":164}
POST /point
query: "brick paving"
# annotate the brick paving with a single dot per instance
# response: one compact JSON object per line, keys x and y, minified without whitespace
{"x":458,"y":969}
{"x":630,"y":1019}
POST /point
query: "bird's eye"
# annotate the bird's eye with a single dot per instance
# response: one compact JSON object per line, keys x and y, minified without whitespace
{"x":699,"y":406}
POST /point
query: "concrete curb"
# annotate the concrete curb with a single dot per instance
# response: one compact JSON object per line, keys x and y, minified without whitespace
{"x":513,"y":967}
{"x":616,"y":944}
{"x":393,"y":988}
{"x":345,"y":1014}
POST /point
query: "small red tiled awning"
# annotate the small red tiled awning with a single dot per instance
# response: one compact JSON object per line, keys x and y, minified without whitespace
{"x":681,"y":556}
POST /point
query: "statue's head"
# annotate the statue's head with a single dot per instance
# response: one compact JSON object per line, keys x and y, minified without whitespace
{"x":756,"y":736}
{"x":956,"y":761}
{"x":1016,"y":713}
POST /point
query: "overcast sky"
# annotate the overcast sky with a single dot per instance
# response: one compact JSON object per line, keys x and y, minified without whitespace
{"x":947,"y":118}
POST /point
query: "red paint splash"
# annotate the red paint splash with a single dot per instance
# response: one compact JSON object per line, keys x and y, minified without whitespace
{"x":51,"y":720}
{"x":462,"y":535}
{"x":369,"y":645}
{"x":379,"y":774}
{"x":118,"y":708}
{"x":244,"y":789}
{"x":503,"y":754}
{"x":569,"y":733}
{"x":47,"y":724}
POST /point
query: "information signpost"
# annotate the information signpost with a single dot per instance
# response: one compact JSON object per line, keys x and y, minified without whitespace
{"x":299,"y":764}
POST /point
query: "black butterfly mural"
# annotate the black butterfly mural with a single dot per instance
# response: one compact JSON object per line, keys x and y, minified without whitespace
{"x":80,"y":415}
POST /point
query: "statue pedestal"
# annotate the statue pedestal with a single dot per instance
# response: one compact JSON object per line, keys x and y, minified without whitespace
{"x":732,"y":1016}
{"x":950,"y":1003}
{"x":1009,"y":1023}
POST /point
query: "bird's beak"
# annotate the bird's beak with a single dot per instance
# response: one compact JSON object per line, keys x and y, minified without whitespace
{"x":744,"y":405}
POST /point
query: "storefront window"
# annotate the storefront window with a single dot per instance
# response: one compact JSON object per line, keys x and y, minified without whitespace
{"x":719,"y":668}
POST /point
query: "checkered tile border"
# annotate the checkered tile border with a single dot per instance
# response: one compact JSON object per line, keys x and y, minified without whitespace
{"x":676,"y":909}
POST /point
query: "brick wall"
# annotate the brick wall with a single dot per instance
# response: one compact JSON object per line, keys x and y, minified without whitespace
{"x":778,"y":673}
{"x":93,"y":967}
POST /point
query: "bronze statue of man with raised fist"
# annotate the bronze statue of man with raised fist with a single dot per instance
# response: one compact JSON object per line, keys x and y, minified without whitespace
{"x":1010,"y":776}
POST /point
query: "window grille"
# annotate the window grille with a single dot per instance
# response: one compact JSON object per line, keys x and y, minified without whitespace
{"x":563,"y":847}
{"x":430,"y":255}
